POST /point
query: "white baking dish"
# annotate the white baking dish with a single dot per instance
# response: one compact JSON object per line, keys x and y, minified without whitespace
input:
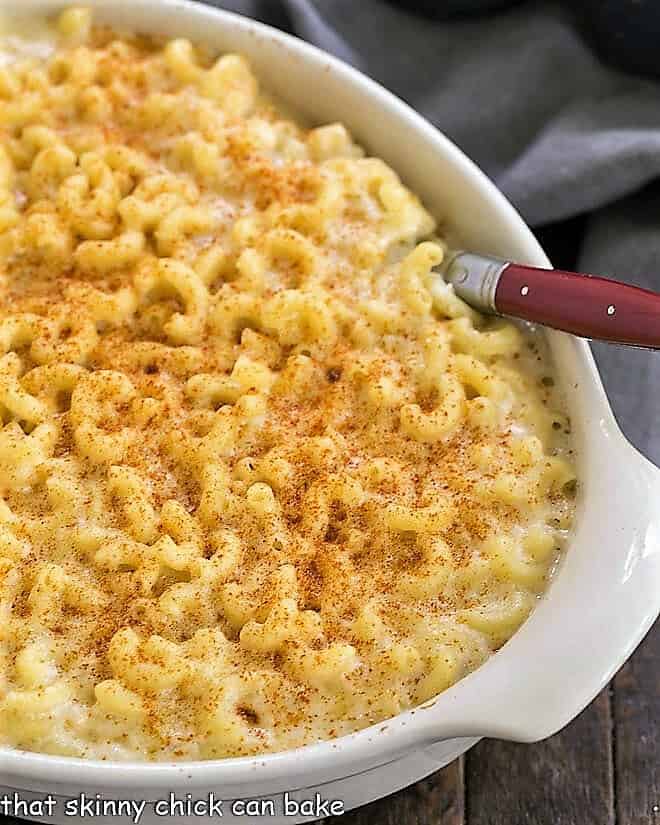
{"x":606,"y":594}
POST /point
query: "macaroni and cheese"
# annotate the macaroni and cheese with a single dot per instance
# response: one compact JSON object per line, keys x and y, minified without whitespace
{"x":265,"y":480}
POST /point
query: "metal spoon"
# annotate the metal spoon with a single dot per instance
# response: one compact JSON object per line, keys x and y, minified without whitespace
{"x":584,"y":305}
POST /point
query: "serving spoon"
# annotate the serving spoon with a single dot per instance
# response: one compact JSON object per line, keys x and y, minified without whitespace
{"x":584,"y":305}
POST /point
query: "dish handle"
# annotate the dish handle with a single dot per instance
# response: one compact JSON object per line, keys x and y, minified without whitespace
{"x":604,"y":599}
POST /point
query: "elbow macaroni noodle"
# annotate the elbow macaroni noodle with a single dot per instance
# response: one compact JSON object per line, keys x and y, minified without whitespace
{"x":264,"y":480}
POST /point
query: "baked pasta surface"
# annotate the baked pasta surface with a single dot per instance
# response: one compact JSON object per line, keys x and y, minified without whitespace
{"x":265,"y":480}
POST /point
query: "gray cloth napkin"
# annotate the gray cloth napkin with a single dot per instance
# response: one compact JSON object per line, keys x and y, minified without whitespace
{"x":560,"y":133}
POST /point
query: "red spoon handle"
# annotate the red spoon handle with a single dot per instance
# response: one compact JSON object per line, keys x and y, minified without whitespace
{"x":584,"y":305}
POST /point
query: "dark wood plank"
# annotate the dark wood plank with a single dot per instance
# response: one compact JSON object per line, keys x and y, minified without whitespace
{"x":436,"y":800}
{"x":637,"y":735}
{"x":565,"y":780}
